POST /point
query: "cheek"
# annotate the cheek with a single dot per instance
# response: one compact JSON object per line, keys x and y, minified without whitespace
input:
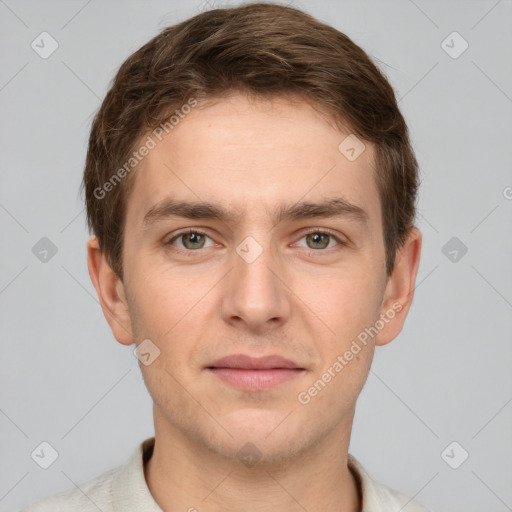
{"x":342,"y":311}
{"x":340,"y":305}
{"x":172,"y":314}
{"x":163,"y":303}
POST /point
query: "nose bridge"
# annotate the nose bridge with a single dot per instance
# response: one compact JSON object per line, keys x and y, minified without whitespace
{"x":255,"y":293}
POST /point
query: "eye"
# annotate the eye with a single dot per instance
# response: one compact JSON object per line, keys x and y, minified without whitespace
{"x":192,"y":239}
{"x":321,"y":240}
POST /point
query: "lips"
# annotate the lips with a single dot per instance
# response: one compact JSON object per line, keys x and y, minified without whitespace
{"x":255,"y":374}
{"x":243,"y":362}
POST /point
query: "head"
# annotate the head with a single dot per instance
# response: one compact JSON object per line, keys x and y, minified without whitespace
{"x":277,"y":143}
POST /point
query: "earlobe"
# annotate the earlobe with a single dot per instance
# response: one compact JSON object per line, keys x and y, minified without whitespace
{"x":110,"y":290}
{"x":399,"y":290}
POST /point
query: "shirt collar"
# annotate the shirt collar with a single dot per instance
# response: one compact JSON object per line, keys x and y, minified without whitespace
{"x":373,"y":497}
{"x":130,"y":492}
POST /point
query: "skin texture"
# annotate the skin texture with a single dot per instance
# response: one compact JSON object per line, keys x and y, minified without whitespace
{"x":298,"y":299}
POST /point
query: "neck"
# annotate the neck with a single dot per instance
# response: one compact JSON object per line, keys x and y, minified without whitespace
{"x":184,"y":475}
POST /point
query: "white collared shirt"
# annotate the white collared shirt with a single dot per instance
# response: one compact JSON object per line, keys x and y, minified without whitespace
{"x":124,"y":489}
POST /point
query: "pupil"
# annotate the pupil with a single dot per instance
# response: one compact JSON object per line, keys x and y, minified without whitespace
{"x":193,"y":238}
{"x":317,"y":238}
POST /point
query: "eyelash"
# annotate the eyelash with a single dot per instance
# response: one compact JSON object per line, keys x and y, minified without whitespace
{"x":341,"y":243}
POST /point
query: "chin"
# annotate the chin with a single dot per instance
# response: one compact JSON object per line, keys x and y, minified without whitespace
{"x":259,"y":450}
{"x":260,"y":437}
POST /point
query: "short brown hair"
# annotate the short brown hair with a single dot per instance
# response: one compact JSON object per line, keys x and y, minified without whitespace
{"x":263,"y":49}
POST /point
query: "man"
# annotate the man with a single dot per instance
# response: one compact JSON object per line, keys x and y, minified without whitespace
{"x":251,"y":189}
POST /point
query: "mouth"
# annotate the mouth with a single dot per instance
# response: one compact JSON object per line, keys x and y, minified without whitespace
{"x":255,"y":374}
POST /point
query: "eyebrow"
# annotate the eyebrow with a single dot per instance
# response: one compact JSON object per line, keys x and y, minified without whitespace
{"x":334,"y":207}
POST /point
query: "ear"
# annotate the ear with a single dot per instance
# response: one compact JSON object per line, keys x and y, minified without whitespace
{"x":110,"y":290}
{"x":399,"y":290}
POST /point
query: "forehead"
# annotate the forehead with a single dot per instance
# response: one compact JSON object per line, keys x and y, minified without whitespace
{"x":252,"y":155}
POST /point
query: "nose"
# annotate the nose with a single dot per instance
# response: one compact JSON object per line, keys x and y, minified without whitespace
{"x":255,"y":294}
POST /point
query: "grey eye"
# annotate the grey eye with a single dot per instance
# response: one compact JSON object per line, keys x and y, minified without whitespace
{"x":317,"y":240}
{"x":193,"y":240}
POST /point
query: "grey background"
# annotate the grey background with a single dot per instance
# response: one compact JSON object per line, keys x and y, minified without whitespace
{"x":65,"y":380}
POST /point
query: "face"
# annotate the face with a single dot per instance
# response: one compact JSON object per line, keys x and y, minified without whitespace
{"x":248,"y":232}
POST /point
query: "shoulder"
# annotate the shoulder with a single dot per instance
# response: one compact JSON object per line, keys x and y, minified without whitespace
{"x":377,"y":497}
{"x":122,"y":488}
{"x":396,"y":500}
{"x":91,"y":496}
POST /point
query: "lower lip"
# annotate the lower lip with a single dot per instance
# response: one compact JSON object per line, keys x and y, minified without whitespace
{"x":256,"y":380}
